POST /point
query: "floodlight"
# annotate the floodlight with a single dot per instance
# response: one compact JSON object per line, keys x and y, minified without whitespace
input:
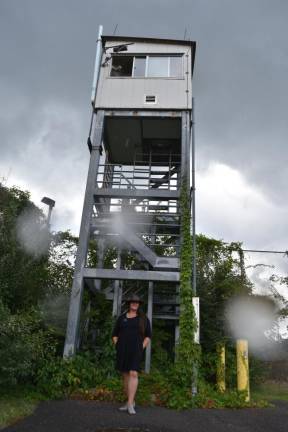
{"x":48,"y":201}
{"x":120,"y":48}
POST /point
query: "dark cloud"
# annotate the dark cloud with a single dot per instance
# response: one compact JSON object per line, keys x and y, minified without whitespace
{"x":47,"y":55}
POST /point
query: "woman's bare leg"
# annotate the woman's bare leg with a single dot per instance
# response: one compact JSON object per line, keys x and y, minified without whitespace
{"x":125,"y":383}
{"x":132,"y":386}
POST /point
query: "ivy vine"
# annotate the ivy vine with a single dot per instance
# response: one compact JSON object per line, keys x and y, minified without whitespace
{"x":187,"y":351}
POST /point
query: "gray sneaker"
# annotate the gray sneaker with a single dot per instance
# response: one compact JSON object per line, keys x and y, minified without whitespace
{"x":125,"y":407}
{"x":130,"y":409}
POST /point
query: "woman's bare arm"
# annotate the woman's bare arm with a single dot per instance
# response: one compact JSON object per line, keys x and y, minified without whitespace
{"x":146,"y":342}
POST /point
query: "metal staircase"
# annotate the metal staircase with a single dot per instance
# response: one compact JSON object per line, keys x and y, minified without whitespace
{"x":150,"y":229}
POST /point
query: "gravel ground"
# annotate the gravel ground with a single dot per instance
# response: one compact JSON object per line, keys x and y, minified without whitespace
{"x":91,"y":416}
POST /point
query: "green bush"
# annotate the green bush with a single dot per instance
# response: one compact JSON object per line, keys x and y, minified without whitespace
{"x":23,"y":345}
{"x":60,"y":377}
{"x":157,"y":388}
{"x":162,"y":354}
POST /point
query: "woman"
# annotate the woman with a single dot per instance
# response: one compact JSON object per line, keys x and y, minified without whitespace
{"x":131,"y":335}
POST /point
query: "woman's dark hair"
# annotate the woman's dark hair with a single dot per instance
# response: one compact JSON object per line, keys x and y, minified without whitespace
{"x":142,"y":322}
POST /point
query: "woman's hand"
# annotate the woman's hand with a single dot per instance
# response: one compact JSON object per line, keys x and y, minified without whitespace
{"x":146,"y":342}
{"x":115,"y":339}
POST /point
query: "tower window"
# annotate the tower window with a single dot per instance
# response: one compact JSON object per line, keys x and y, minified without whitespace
{"x":122,"y":66}
{"x":146,"y":66}
{"x":139,"y":66}
{"x":157,"y":66}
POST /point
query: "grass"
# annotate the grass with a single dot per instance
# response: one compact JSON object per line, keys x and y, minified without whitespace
{"x":17,"y":403}
{"x":271,"y":390}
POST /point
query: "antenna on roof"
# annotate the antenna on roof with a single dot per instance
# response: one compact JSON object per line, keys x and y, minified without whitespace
{"x":115,"y":29}
{"x":185,"y":31}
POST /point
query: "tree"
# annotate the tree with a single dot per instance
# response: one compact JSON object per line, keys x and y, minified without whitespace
{"x":23,"y":275}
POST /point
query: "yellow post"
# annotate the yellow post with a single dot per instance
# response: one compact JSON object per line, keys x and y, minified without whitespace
{"x":221,"y":368}
{"x":243,"y":367}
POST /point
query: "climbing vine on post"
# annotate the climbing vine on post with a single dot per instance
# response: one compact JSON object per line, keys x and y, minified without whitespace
{"x":187,"y":352}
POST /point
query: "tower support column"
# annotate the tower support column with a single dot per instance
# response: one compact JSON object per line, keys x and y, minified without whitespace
{"x":116,"y":306}
{"x":150,"y":315}
{"x":78,"y":281}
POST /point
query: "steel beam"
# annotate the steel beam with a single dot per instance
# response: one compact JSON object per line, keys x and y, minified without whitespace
{"x":137,"y":193}
{"x":138,"y":244}
{"x":142,"y":113}
{"x":166,"y":317}
{"x":150,"y":316}
{"x":100,"y":259}
{"x":120,"y":296}
{"x":184,"y":147}
{"x":78,"y":282}
{"x":193,"y":190}
{"x":116,"y":287}
{"x":188,"y":144}
{"x":163,"y":262}
{"x":92,"y":285}
{"x":145,"y":275}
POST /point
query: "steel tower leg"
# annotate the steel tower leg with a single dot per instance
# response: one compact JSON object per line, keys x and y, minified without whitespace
{"x":116,"y":309}
{"x":78,"y":281}
{"x":149,"y":314}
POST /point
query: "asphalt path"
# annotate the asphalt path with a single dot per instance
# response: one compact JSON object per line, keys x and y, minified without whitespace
{"x":92,"y":416}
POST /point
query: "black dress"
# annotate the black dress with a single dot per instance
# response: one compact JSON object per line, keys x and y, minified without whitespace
{"x":129,"y":346}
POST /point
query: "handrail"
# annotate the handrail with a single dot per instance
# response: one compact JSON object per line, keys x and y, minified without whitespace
{"x":128,"y":181}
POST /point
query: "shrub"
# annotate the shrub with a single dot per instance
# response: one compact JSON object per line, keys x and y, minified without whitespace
{"x":158,"y":388}
{"x":23,"y":345}
{"x":60,"y":377}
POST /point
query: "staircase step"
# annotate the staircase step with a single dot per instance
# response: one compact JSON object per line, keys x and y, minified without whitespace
{"x":158,"y":207}
{"x":165,"y":262}
{"x":166,"y":316}
{"x":158,"y":180}
{"x":166,"y":303}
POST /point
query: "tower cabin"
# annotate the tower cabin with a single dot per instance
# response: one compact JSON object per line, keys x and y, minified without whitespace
{"x":140,"y":155}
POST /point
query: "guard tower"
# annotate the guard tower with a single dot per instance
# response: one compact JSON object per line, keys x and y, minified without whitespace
{"x":140,"y":154}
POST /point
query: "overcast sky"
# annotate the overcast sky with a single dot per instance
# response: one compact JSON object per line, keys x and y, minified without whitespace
{"x":47,"y":51}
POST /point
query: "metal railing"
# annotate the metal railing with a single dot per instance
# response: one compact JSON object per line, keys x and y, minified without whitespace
{"x":131,"y":207}
{"x":156,"y":223}
{"x":146,"y":173}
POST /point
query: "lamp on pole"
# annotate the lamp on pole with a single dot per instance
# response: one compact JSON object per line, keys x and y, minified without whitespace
{"x":51,"y":203}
